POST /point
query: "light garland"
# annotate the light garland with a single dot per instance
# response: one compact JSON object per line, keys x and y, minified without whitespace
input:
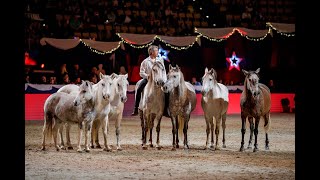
{"x":281,"y":33}
{"x":100,"y":52}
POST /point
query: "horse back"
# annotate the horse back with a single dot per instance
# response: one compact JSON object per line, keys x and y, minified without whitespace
{"x":191,"y":95}
{"x":266,"y":95}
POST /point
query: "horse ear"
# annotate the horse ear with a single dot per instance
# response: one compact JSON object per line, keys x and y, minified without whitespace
{"x":126,"y":76}
{"x":257,"y":71}
{"x":177,"y":67}
{"x":170,"y":66}
{"x":206,"y":70}
{"x":245,"y":72}
{"x":113,"y":75}
{"x":101,"y":75}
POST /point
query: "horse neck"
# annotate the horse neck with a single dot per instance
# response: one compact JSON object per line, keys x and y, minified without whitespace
{"x":152,"y":87}
{"x":88,"y":106}
{"x":115,"y":95}
{"x":181,"y":90}
{"x":97,"y":94}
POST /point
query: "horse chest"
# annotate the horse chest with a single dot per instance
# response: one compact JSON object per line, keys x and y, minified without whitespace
{"x":251,"y":108}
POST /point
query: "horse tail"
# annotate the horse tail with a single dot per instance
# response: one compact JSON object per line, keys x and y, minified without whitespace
{"x":48,"y":124}
{"x":267,"y":122}
{"x":181,"y":126}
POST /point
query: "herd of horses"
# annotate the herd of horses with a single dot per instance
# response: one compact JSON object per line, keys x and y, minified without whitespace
{"x":91,"y":106}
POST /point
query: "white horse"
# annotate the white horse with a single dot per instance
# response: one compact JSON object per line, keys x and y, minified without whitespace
{"x":152,"y":103}
{"x":118,"y":97}
{"x":101,"y":92}
{"x":61,"y":108}
{"x":182,"y":101}
{"x":214,"y":102}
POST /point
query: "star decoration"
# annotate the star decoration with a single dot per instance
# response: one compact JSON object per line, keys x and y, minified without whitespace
{"x":163,"y":54}
{"x":234,"y":61}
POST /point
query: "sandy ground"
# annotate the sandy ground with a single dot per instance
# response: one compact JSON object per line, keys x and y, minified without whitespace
{"x":195,"y":163}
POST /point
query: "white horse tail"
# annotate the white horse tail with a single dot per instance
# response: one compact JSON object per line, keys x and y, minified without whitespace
{"x":267,"y":126}
{"x":49,"y":120}
{"x":181,"y":125}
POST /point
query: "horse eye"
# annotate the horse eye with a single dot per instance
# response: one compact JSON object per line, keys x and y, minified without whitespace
{"x":118,"y":85}
{"x":210,"y":79}
{"x":103,"y":84}
{"x":174,"y":76}
{"x":110,"y":84}
{"x":84,"y":91}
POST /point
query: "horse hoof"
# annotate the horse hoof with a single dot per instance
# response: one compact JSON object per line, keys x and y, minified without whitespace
{"x":79,"y":150}
{"x":87,"y":150}
{"x":255,"y":149}
{"x":177,"y":146}
{"x":43,"y":148}
{"x":151,"y":145}
{"x":98,"y":146}
{"x":224,"y":146}
{"x":119,"y":149}
{"x":159,"y":148}
{"x":249,"y":147}
{"x":92,"y":147}
{"x":241,"y":149}
{"x":107,"y":149}
{"x":144,"y":147}
{"x":173,"y":149}
{"x":63,"y":148}
{"x":217,"y":148}
{"x":70,"y":148}
{"x":267,"y":147}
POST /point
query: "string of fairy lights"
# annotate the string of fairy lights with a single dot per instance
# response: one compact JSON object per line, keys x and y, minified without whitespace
{"x":269,"y":25}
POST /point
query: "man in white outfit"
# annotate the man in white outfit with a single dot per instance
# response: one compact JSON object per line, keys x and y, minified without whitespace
{"x":145,"y":69}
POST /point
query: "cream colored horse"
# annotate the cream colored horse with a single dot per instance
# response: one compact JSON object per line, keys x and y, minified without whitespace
{"x":182,"y":101}
{"x":101,"y":91}
{"x":214,"y":102}
{"x":152,"y":104}
{"x":118,"y":97}
{"x":255,"y":102}
{"x":60,"y":108}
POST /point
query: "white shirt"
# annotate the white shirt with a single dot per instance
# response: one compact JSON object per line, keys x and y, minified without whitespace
{"x":146,"y":65}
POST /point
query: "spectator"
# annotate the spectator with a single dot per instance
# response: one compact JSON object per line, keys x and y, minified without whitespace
{"x":122,"y":70}
{"x":195,"y":82}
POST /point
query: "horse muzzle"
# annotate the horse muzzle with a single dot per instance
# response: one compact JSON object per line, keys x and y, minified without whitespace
{"x":107,"y":96}
{"x":124,"y":99}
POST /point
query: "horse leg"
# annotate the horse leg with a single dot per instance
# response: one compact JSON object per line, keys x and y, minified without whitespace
{"x":185,"y":132}
{"x":250,"y":119}
{"x":68,"y":127}
{"x":217,"y":131}
{"x":88,"y":126}
{"x":80,"y":136}
{"x":144,"y":132}
{"x":174,"y":132}
{"x":212,"y":133}
{"x":177,"y":132}
{"x":257,"y":119}
{"x":96,"y":140}
{"x":224,"y":118}
{"x":94,"y":132}
{"x":104,"y":122}
{"x":158,"y":132}
{"x":117,"y":125}
{"x":207,"y":131}
{"x":243,"y":130}
{"x":152,"y":117}
{"x":55,"y":135}
{"x":142,"y":126}
{"x":61,"y":137}
{"x":266,"y":125}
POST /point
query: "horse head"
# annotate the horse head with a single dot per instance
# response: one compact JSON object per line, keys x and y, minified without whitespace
{"x":121,"y":84}
{"x":104,"y":86}
{"x":158,"y":74}
{"x":173,"y":78}
{"x":251,"y":82}
{"x":209,"y":79}
{"x":85,"y":93}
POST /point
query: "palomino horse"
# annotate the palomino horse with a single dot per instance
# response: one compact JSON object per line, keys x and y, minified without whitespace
{"x":214,"y":102}
{"x":118,"y":97}
{"x":152,"y":103}
{"x":182,"y":101}
{"x":61,"y":108}
{"x":101,"y":93}
{"x":255,"y":101}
